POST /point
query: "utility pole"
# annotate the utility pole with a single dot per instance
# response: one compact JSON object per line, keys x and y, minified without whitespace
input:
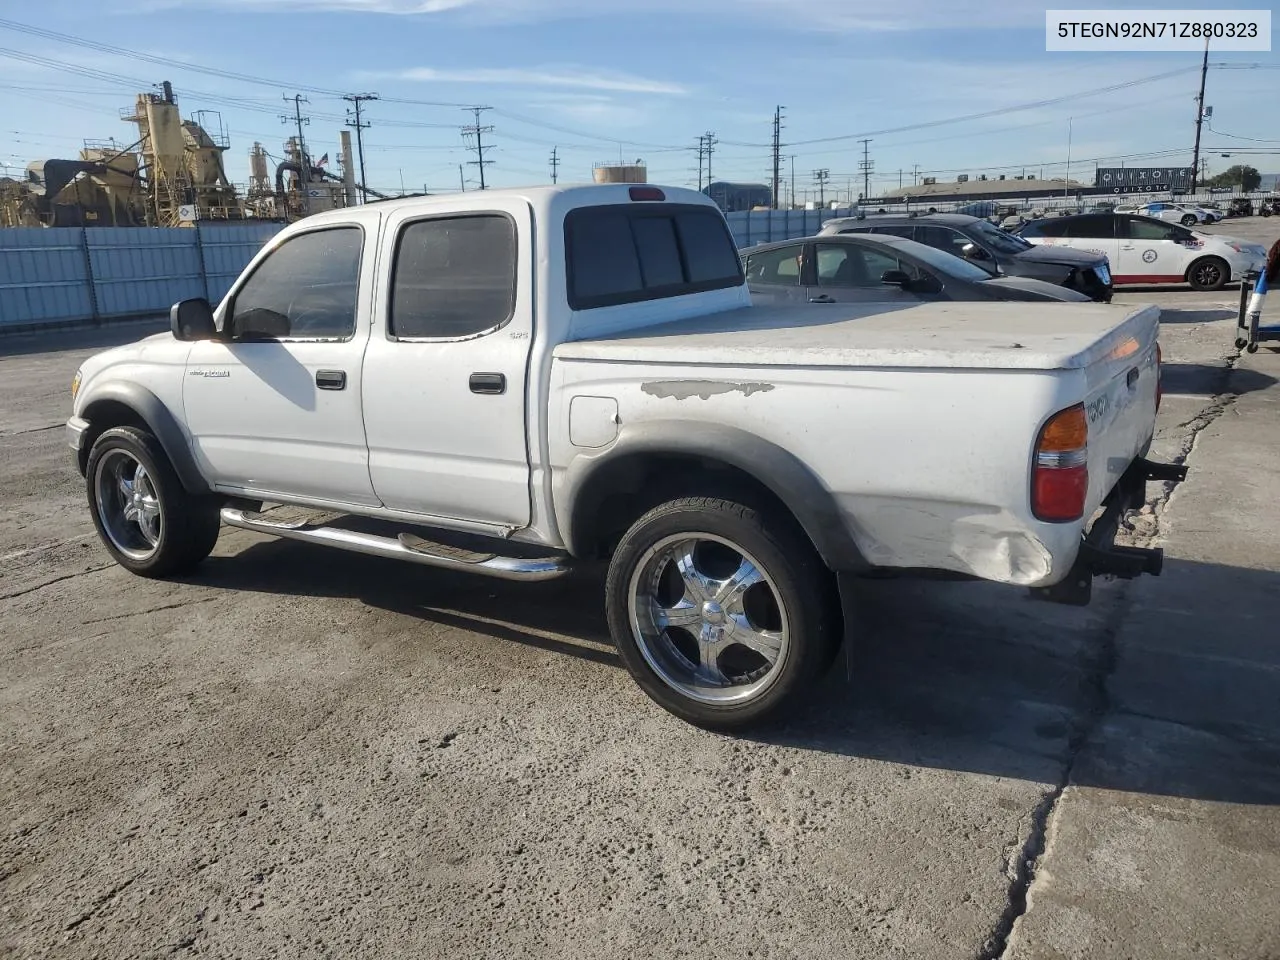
{"x":792,"y":158}
{"x":477,"y":131}
{"x":821,"y":177}
{"x":304,"y":166}
{"x":555,"y":164}
{"x":711,"y":142}
{"x":462,"y":179}
{"x":864,"y":167}
{"x":915,"y":174}
{"x":777,"y":146}
{"x":1066,"y":180}
{"x":702,"y":152}
{"x":357,"y":99}
{"x":1195,"y":160}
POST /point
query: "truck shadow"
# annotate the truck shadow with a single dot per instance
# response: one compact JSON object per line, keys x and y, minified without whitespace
{"x":1179,"y":315}
{"x":1204,"y":378}
{"x":969,"y":677}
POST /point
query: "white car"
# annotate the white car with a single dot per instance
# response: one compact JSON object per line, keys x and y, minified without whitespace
{"x":1181,"y":213}
{"x":1145,"y":250}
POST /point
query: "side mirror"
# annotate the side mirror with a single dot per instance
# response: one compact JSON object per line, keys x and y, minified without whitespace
{"x":972,"y":251}
{"x":192,"y":320}
{"x":897,"y":278}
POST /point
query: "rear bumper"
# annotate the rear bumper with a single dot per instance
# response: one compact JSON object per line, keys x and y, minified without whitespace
{"x":1090,"y":283}
{"x":1099,"y":554}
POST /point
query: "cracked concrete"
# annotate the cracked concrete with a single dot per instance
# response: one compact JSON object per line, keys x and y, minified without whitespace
{"x":308,"y":754}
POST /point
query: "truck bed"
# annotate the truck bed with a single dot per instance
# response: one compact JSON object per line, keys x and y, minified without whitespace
{"x":1027,"y":336}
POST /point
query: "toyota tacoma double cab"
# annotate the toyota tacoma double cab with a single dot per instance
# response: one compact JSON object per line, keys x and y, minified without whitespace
{"x":515,"y":383}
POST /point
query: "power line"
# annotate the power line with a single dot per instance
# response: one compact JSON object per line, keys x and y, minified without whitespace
{"x":187,"y":65}
{"x":357,"y":99}
{"x":478,"y":131}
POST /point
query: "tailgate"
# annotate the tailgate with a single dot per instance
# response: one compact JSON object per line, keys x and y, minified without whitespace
{"x":1122,"y":384}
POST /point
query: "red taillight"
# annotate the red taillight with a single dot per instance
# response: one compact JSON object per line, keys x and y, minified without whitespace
{"x":647,"y":193}
{"x":1060,"y":475}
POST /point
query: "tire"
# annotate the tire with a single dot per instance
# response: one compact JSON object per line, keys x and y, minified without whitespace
{"x":164,"y":530}
{"x":1208,"y":273}
{"x":1190,"y":220}
{"x":704,"y":577}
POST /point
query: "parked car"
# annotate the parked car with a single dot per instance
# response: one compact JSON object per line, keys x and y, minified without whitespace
{"x":881,"y":268}
{"x":988,"y":246}
{"x":1181,"y":213}
{"x":514,"y":383}
{"x":1145,"y":250}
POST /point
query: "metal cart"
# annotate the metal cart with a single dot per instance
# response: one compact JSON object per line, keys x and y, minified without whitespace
{"x":1249,"y":332}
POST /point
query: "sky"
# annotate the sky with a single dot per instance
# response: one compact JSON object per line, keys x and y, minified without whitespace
{"x":611,"y":80}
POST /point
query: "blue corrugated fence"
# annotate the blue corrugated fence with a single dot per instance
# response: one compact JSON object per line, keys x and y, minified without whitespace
{"x":66,"y":274}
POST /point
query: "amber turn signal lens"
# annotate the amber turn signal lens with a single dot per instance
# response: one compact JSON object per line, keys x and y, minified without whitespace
{"x":1067,"y":430}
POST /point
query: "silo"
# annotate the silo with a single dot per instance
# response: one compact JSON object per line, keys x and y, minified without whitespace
{"x":620,"y":173}
{"x":168,"y":146}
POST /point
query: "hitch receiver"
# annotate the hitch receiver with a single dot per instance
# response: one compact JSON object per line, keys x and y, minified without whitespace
{"x":1099,"y":554}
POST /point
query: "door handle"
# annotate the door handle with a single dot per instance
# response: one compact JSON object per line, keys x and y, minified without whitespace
{"x":1132,"y":377}
{"x":331,"y":379}
{"x":488,"y":383}
{"x":823,"y":298}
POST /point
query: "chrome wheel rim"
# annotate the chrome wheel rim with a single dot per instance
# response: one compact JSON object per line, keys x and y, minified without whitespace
{"x":708,"y":618}
{"x":128,"y":504}
{"x":1207,"y":274}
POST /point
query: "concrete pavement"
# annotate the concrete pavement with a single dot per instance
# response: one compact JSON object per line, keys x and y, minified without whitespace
{"x":1166,"y":842}
{"x":301,"y":753}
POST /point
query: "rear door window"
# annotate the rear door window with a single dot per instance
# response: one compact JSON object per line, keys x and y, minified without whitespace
{"x":779,"y":267}
{"x":453,"y":277}
{"x":626,"y":253}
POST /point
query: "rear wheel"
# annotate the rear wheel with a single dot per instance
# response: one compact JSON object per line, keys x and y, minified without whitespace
{"x":721,"y":612}
{"x":1189,"y":220}
{"x":148,"y":522}
{"x":1208,"y":273}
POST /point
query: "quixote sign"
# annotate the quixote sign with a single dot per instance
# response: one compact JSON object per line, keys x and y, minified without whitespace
{"x":1129,"y":179}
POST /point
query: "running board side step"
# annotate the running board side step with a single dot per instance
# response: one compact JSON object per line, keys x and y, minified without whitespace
{"x":406,"y":547}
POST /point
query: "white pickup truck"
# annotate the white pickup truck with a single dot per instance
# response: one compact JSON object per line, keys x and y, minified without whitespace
{"x":516,"y":382}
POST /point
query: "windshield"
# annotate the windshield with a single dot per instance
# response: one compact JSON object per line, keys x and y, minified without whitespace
{"x":998,"y":240}
{"x":947,"y":263}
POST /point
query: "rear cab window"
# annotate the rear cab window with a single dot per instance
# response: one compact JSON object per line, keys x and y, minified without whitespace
{"x":628,"y":253}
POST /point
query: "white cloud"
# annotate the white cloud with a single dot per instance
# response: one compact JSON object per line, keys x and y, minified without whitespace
{"x":831,"y":15}
{"x":572,"y":78}
{"x":403,"y":7}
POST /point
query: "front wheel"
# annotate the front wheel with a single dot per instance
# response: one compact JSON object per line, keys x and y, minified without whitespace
{"x":148,"y":522}
{"x":721,"y":612}
{"x":1208,"y":273}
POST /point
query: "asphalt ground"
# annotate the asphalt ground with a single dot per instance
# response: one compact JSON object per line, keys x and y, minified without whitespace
{"x":296,"y":752}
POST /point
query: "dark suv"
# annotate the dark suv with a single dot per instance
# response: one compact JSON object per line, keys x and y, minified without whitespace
{"x":989,"y":247}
